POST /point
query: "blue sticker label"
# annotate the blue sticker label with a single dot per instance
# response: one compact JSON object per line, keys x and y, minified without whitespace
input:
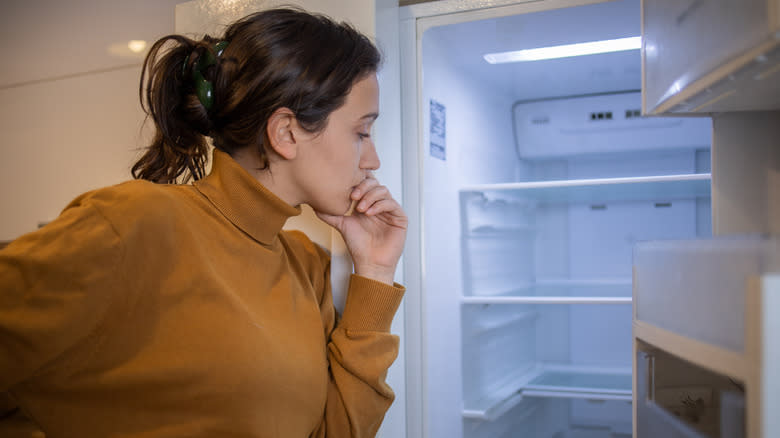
{"x":438,"y":130}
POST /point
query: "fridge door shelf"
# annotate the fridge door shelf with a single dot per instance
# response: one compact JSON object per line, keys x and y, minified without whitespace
{"x":725,"y":295}
{"x":705,"y":355}
{"x":710,"y":56}
{"x":555,"y":381}
{"x":708,"y":281}
{"x":677,"y":399}
{"x":642,"y":188}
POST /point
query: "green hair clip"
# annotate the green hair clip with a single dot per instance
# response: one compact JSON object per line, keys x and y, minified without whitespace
{"x":204,"y":89}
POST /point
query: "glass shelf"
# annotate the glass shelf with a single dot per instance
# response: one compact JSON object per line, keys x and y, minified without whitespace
{"x":506,"y":322}
{"x":646,"y":188}
{"x":545,"y":300}
{"x":489,"y":231}
{"x":563,"y":291}
{"x":573,"y":383}
{"x":554,"y":381}
{"x":504,"y":398}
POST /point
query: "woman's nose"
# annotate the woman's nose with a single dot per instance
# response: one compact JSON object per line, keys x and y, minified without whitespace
{"x":369,"y":158}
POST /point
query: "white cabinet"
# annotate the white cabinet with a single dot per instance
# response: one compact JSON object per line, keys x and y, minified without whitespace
{"x":706,"y":56}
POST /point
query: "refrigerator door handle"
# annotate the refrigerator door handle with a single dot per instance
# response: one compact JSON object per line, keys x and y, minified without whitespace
{"x":650,"y":376}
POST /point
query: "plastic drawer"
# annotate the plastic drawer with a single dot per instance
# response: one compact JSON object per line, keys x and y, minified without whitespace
{"x":696,"y":288}
{"x":685,"y":40}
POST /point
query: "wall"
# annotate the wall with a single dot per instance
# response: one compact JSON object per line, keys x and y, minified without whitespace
{"x":69,"y":110}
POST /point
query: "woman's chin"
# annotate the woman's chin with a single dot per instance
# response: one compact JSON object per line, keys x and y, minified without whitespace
{"x":335,"y":210}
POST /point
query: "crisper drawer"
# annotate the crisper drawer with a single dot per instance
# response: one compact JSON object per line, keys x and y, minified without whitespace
{"x":685,"y":40}
{"x":696,"y":288}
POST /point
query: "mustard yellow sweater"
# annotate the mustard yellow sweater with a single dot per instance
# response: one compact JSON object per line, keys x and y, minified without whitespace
{"x":151,"y":310}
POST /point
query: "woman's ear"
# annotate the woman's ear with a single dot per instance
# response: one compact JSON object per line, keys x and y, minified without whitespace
{"x":280,"y":129}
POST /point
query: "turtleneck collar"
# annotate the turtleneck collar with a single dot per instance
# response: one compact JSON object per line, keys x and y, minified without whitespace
{"x":243,"y":200}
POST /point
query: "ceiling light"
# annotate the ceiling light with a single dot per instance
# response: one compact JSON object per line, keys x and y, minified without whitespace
{"x":136,"y":46}
{"x":565,"y":51}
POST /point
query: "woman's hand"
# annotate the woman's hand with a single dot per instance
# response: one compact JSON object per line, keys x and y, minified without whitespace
{"x":375,"y":233}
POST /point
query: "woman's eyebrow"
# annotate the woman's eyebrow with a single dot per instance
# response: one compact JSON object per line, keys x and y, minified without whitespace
{"x":372,"y":116}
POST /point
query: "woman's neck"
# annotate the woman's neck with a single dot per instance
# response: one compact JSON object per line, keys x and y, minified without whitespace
{"x":276,"y":182}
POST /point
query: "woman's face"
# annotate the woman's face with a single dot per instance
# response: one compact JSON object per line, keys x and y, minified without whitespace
{"x":338,"y":158}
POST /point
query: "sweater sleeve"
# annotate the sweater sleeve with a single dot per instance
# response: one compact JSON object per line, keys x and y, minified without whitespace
{"x":360,"y":351}
{"x":55,"y":286}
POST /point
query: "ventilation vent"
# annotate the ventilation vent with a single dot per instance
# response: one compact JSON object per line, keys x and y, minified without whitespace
{"x":633,"y":113}
{"x":605,"y":115}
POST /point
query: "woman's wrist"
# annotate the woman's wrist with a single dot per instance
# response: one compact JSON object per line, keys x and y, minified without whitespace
{"x":378,"y":273}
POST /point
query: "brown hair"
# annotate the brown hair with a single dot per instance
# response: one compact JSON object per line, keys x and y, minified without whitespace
{"x":275,"y":58}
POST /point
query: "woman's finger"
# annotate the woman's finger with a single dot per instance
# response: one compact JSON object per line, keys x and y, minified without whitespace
{"x":390,"y":210}
{"x":364,"y":187}
{"x":375,"y":194}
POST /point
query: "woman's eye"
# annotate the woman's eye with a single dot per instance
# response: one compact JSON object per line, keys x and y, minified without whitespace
{"x":363,"y":135}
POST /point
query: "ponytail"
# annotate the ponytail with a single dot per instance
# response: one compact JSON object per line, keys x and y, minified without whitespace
{"x":179,"y":149}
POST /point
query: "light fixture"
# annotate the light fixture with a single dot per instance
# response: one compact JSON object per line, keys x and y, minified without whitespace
{"x":136,"y":46}
{"x":565,"y":51}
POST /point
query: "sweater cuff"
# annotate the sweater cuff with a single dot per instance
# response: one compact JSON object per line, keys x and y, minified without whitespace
{"x":371,"y":304}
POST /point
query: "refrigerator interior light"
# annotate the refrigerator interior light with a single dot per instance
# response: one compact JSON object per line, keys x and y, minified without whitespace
{"x":565,"y":51}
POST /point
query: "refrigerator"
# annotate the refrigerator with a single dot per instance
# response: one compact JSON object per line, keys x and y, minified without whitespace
{"x":549,"y":197}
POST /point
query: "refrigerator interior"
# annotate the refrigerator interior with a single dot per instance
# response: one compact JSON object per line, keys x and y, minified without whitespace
{"x":537,"y":180}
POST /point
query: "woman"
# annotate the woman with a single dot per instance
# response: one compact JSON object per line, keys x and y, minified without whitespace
{"x":155,"y":309}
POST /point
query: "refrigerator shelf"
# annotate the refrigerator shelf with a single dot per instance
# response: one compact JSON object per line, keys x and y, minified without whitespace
{"x":555,"y":381}
{"x":643,"y":188}
{"x":561,"y":291}
{"x":544,"y":300}
{"x":489,"y":231}
{"x":574,"y":383}
{"x":614,"y":290}
{"x":504,"y":398}
{"x":520,"y":318}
